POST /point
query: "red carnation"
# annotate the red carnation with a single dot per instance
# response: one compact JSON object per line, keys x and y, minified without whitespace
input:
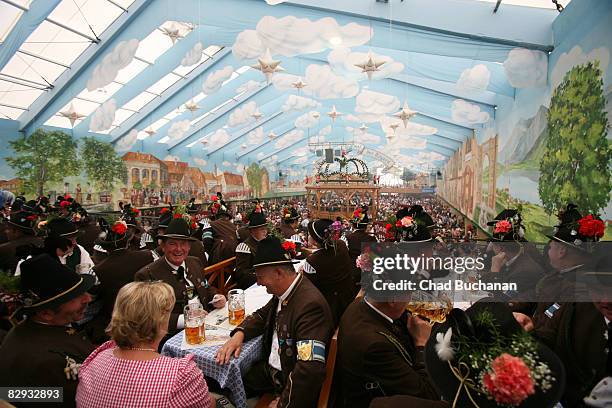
{"x":64,"y":204}
{"x":502,"y":227}
{"x":388,"y":227}
{"x":164,"y":210}
{"x":217,"y":205}
{"x":591,"y":227}
{"x":135,"y":211}
{"x":67,"y":196}
{"x":398,"y":223}
{"x":509,"y":382}
{"x":214,"y":198}
{"x":176,"y":216}
{"x":288,"y":246}
{"x":194,"y":225}
{"x":31,"y":217}
{"x":119,"y":228}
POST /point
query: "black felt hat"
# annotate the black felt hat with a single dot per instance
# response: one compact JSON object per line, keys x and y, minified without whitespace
{"x":25,"y":221}
{"x":164,"y":219}
{"x":415,"y":228}
{"x":360,"y":217}
{"x":192,"y":207}
{"x":290,"y":214}
{"x":113,"y":238}
{"x":46,"y":283}
{"x":61,"y":228}
{"x":318,"y":229}
{"x":508,"y":226}
{"x":257,"y":218}
{"x":579,"y":232}
{"x":459,"y":376}
{"x":270,"y":252}
{"x":178,"y":229}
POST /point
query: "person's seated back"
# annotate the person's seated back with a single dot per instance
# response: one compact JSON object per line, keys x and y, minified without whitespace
{"x":128,"y":371}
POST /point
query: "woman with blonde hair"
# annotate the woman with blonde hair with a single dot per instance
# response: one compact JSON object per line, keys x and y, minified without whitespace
{"x":127,"y":371}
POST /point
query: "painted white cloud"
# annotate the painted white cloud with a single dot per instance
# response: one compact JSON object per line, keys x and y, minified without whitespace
{"x":200,"y":162}
{"x":242,"y":114}
{"x":351,"y":118}
{"x":260,"y":155}
{"x":301,"y":160}
{"x":106,"y":71}
{"x":256,"y":136}
{"x":103,"y":117}
{"x":226,"y":164}
{"x":324,"y":132}
{"x":218,"y":139}
{"x":193,"y":55}
{"x":407,"y":142}
{"x":290,"y":36}
{"x":297,"y":103}
{"x":283,"y":81}
{"x":248,"y":86}
{"x":178,"y":129}
{"x":215,"y":80}
{"x":289,"y":139}
{"x":324,"y":84}
{"x":430,"y":156}
{"x":474,"y":79}
{"x":366,"y":138}
{"x":526,"y":68}
{"x":275,"y":2}
{"x":172,"y":158}
{"x":575,"y":57}
{"x":126,"y":142}
{"x":465,"y":112}
{"x":307,"y":120}
{"x":302,"y":151}
{"x":239,"y":167}
{"x":373,"y":105}
{"x":411,"y":129}
{"x":343,"y":62}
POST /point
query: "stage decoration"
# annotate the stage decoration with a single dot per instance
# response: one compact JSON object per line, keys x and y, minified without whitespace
{"x":333,"y":114}
{"x":405,"y":114}
{"x":370,"y":66}
{"x":72,"y":115}
{"x":267,"y":65}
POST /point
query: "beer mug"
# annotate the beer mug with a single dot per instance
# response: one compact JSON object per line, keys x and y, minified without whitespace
{"x":195,"y":324}
{"x":83,"y":268}
{"x":235,"y":306}
{"x":433,"y":308}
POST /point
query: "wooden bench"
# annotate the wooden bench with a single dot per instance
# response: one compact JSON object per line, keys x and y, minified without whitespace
{"x":326,"y":396}
{"x":219,"y":275}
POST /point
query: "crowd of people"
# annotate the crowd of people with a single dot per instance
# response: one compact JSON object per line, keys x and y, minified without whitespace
{"x":98,"y":298}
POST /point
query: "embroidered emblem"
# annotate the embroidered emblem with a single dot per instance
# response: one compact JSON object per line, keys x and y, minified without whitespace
{"x":311,"y":350}
{"x":550,"y":312}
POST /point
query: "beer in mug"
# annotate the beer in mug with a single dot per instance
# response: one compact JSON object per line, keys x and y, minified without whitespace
{"x":235,"y":306}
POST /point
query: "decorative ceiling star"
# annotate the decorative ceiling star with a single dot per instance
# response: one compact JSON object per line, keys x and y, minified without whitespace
{"x":394,"y":126}
{"x":204,"y":142}
{"x":299,"y":84}
{"x":149,"y":131}
{"x":363,"y":127}
{"x":333,"y":114}
{"x":172,"y":32}
{"x":272,"y":135}
{"x":72,"y":115}
{"x":191,"y":106}
{"x":370,"y":65}
{"x":405,"y":114}
{"x":316,"y":115}
{"x":257,"y":114}
{"x":267,"y":65}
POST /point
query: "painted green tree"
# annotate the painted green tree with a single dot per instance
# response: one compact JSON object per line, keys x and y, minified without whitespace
{"x":44,"y":157}
{"x":102,"y":164}
{"x":575,"y":166}
{"x":254,"y":174}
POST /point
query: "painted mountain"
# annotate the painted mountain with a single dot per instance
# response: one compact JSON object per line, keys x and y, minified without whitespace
{"x":526,"y":137}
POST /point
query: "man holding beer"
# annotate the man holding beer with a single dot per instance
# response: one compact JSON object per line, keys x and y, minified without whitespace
{"x":297,"y":326}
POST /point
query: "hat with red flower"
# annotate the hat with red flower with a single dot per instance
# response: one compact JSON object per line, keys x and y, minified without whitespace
{"x":577,"y":231}
{"x":24,"y":221}
{"x":218,"y":208}
{"x":508,"y":226}
{"x":483,"y":358}
{"x":360,"y":217}
{"x":289,"y":214}
{"x":113,"y":237}
{"x":129,"y":214}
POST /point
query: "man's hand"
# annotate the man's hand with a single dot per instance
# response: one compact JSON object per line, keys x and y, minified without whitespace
{"x":218,"y":301}
{"x":524,"y":320}
{"x":419,"y":329}
{"x":498,"y":262}
{"x":231,"y":347}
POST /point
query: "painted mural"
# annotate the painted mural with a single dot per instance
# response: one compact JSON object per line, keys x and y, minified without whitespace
{"x":552,"y":139}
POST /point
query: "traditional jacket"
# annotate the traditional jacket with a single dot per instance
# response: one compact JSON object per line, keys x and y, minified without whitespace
{"x":304,"y":328}
{"x":244,"y":274}
{"x":220,"y":240}
{"x":9,"y":257}
{"x":161,"y":270}
{"x":36,"y":355}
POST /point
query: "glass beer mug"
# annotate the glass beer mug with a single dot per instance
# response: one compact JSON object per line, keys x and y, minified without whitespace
{"x":235,"y":306}
{"x":195,"y":324}
{"x":432,"y":307}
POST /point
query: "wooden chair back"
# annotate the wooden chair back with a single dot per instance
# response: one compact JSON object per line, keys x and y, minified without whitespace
{"x":219,"y":274}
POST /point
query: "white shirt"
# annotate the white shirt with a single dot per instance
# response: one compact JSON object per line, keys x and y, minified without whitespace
{"x":274,"y":359}
{"x":378,"y":311}
{"x":85,"y":259}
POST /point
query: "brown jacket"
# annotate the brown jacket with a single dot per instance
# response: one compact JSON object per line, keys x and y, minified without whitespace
{"x":244,"y":274}
{"x":161,"y":270}
{"x":115,"y":271}
{"x":34,"y":355}
{"x":576,"y":333}
{"x":304,"y":317}
{"x":220,"y":240}
{"x":377,"y":358}
{"x":331,"y":272}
